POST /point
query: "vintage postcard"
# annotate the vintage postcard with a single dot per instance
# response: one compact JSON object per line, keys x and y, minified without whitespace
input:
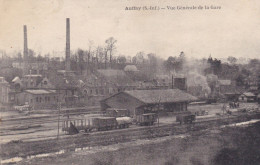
{"x":145,"y":82}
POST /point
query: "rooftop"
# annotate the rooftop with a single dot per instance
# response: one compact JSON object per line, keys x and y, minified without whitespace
{"x":33,"y":75}
{"x":161,"y":96}
{"x":249,"y":94}
{"x":39,"y":91}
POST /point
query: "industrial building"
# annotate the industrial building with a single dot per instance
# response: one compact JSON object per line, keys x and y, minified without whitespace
{"x":146,"y":101}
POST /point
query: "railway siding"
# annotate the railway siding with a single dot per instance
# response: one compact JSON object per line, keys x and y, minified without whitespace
{"x":69,"y":143}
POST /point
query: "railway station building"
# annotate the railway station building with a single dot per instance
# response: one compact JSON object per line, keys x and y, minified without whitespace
{"x":147,"y":101}
{"x":38,"y":98}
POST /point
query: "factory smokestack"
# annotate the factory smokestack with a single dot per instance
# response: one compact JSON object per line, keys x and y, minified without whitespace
{"x":67,"y":62}
{"x":25,"y":51}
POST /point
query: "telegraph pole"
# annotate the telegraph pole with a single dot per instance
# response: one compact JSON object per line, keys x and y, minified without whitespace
{"x":59,"y":107}
{"x":158,"y":109}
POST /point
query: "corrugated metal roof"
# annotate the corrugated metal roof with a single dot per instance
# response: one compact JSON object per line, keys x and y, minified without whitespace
{"x":161,"y":96}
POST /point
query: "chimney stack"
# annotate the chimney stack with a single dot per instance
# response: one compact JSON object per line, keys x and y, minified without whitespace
{"x":67,"y":61}
{"x":25,"y":51}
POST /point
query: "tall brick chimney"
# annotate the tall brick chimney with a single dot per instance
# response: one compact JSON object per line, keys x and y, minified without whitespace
{"x":67,"y":61}
{"x":25,"y":51}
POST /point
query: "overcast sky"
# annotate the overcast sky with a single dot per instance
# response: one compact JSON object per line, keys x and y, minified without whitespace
{"x":232,"y":31}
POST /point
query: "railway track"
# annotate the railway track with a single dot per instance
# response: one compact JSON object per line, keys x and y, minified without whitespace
{"x":69,"y":143}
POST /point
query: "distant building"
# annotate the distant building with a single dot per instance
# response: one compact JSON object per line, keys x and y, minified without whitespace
{"x":231,"y":93}
{"x":146,"y":101}
{"x":45,"y":84}
{"x":247,"y":97}
{"x":4,"y":91}
{"x":38,"y":98}
{"x":31,"y":80}
{"x":35,"y":68}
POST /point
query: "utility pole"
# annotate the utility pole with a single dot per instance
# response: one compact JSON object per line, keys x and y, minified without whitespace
{"x":172,"y":81}
{"x":158,"y":110}
{"x":59,"y":107}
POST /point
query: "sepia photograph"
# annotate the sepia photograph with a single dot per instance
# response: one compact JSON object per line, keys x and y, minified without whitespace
{"x":130,"y":82}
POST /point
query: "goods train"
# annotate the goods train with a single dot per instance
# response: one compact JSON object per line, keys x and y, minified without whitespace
{"x":112,"y":119}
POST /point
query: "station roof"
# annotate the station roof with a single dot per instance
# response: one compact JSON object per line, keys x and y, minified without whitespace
{"x":161,"y":96}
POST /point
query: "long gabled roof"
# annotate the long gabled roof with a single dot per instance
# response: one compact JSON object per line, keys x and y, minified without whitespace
{"x":161,"y":96}
{"x":40,"y":91}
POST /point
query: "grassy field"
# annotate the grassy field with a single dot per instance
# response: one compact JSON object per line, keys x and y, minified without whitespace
{"x":221,"y":146}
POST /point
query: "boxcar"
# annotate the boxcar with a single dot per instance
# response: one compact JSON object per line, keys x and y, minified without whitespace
{"x":104,"y":123}
{"x":185,"y":118}
{"x":146,"y":119}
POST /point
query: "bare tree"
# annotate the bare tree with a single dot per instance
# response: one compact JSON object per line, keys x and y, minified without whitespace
{"x":140,"y":57}
{"x":111,"y":47}
{"x":90,"y":45}
{"x":232,"y":60}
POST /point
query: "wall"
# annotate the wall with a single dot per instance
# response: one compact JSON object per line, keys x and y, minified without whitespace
{"x":39,"y":101}
{"x":124,"y":101}
{"x":4,"y":91}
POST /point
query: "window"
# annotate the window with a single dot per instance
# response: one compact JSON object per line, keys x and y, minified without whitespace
{"x":45,"y":82}
{"x":37,"y":99}
{"x":40,"y":99}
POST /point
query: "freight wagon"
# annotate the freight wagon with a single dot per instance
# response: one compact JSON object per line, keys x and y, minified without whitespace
{"x":185,"y":118}
{"x":146,"y":119}
{"x":72,"y":126}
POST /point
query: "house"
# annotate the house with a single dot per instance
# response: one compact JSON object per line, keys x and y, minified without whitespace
{"x":247,"y":97}
{"x":67,"y":87}
{"x":45,"y":84}
{"x":104,"y":83}
{"x":145,"y":101}
{"x":4,"y":91}
{"x":38,"y":98}
{"x":231,"y":92}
